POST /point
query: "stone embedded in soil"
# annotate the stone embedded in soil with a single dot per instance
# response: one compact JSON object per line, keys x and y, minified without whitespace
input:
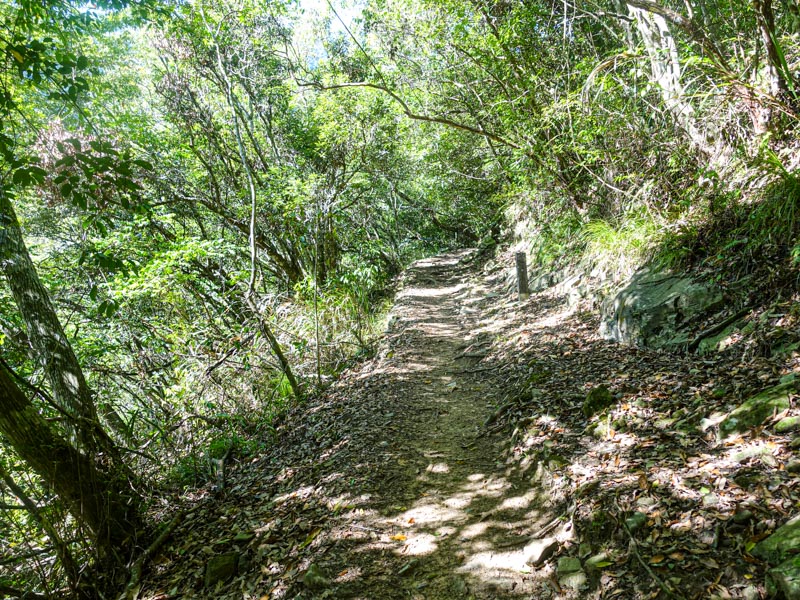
{"x":636,"y":521}
{"x":757,"y":409}
{"x":597,"y":399}
{"x":785,"y":579}
{"x":574,"y":581}
{"x":652,"y":306}
{"x":540,"y":550}
{"x":568,"y":565}
{"x":221,"y":568}
{"x":596,"y":562}
{"x":787,"y":424}
{"x":781,"y":544}
{"x":748,"y":453}
{"x":570,"y":573}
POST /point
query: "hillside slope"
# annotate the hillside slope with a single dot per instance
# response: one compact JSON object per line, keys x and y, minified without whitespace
{"x":465,"y":461}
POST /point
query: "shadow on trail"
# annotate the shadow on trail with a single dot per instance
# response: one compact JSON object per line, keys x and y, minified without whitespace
{"x":443,"y":519}
{"x":391,"y":487}
{"x":446,"y":518}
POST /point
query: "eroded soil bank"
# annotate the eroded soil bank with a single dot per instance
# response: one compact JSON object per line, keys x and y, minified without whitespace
{"x":458,"y":463}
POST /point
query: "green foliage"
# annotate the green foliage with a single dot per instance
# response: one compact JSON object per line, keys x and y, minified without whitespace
{"x":134,"y":159}
{"x":621,"y":248}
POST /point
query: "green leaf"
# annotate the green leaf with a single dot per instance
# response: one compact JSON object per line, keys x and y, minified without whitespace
{"x":143,"y":164}
{"x":37,"y":174}
{"x":66,"y":161}
{"x":21,"y":177}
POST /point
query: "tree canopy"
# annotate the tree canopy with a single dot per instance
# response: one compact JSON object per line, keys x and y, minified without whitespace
{"x":203,"y":205}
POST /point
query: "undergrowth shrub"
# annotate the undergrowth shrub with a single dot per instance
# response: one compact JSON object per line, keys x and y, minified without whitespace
{"x":744,"y":235}
{"x":619,"y":248}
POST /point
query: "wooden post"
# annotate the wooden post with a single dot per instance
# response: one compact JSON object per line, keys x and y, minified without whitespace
{"x":522,"y":276}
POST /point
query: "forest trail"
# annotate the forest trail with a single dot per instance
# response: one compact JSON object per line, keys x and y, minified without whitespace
{"x":458,"y":463}
{"x":442,"y":517}
{"x":388,"y":486}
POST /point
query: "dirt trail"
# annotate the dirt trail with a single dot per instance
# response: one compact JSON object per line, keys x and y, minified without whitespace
{"x":388,"y":485}
{"x":391,"y":484}
{"x":441,"y":518}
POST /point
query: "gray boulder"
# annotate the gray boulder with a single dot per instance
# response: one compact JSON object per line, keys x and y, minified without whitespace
{"x":652,"y":309}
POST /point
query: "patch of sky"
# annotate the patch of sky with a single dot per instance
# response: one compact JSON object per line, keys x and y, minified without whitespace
{"x":331,"y":18}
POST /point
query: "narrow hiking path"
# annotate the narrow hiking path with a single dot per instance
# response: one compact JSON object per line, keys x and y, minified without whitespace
{"x":458,"y":463}
{"x":443,"y":512}
{"x":388,"y":486}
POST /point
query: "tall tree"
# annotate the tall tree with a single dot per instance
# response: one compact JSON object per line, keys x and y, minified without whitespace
{"x":95,"y":498}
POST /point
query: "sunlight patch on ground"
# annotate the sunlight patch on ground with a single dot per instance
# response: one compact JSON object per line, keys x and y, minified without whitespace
{"x":432,"y":514}
{"x":300,"y":493}
{"x":409,"y":368}
{"x":420,"y":544}
{"x":474,"y":530}
{"x":440,"y":329}
{"x":459,"y":501}
{"x":518,"y":502}
{"x":506,"y":561}
{"x":438,"y":468}
{"x":415,"y":292}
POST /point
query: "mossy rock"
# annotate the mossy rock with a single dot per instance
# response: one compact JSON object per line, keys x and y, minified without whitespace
{"x":787,"y":424}
{"x":784,"y":580}
{"x":781,"y":545}
{"x":597,"y":399}
{"x":220,"y":569}
{"x":717,"y":343}
{"x":758,"y":409}
{"x":568,"y":565}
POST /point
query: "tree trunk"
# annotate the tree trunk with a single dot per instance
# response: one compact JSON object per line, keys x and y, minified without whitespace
{"x":666,"y":71}
{"x":94,"y":498}
{"x":776,"y":82}
{"x":54,"y":352}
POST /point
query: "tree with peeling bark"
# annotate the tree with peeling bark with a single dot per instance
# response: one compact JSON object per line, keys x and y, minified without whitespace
{"x":96,"y":498}
{"x":71,"y":454}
